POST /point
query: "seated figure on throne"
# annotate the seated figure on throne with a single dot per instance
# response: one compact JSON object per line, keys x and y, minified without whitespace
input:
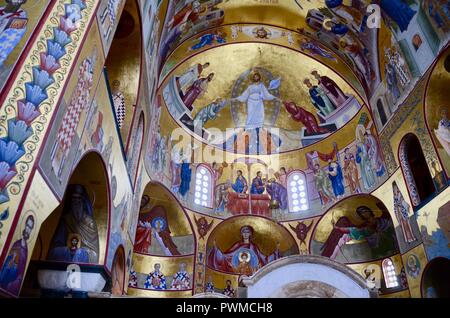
{"x":240,"y":185}
{"x":76,"y":237}
{"x":232,"y":259}
{"x":257,"y":184}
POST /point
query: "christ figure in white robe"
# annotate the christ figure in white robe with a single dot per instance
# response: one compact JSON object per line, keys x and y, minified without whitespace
{"x":254,"y":96}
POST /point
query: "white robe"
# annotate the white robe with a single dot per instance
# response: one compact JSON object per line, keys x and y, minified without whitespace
{"x":188,"y":78}
{"x":254,"y":96}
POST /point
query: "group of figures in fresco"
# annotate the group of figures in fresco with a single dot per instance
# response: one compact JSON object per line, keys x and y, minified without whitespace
{"x":156,"y":279}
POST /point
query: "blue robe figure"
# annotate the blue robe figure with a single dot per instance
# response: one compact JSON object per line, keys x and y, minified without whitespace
{"x":257,"y":186}
{"x":337,"y":180}
{"x":339,"y":29}
{"x":240,"y":185}
{"x":399,"y":12}
{"x":208,"y":39}
{"x":186,"y":172}
{"x":392,"y":81}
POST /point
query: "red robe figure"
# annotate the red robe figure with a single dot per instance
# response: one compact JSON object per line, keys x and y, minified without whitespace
{"x":306,"y":118}
{"x":228,"y":261}
{"x":197,"y":90}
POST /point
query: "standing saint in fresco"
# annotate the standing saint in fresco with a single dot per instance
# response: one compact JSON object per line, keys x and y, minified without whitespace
{"x":76,"y":222}
{"x":228,"y":261}
{"x":221,"y":196}
{"x":197,"y":90}
{"x":362,"y":158}
{"x":185,"y":175}
{"x":13,"y":25}
{"x":374,"y":153}
{"x":209,"y":287}
{"x":257,"y":184}
{"x":240,"y":185}
{"x":443,"y":131}
{"x":351,"y":172}
{"x":13,"y":270}
{"x":156,"y":279}
{"x":335,"y":174}
{"x":332,"y":90}
{"x":323,"y":184}
{"x":401,"y":209}
{"x":254,"y":96}
{"x":319,"y":98}
{"x":190,"y":76}
{"x":229,"y":290}
{"x":181,"y":279}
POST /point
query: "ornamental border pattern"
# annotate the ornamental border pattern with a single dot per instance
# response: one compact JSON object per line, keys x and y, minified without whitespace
{"x":29,"y":106}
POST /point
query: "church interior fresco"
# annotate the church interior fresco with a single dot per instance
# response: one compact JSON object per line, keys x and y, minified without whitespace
{"x":187,"y":208}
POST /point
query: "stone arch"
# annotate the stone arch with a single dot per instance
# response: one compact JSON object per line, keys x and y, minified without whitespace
{"x":306,"y":276}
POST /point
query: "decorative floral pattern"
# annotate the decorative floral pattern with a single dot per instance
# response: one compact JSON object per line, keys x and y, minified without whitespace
{"x":20,"y":127}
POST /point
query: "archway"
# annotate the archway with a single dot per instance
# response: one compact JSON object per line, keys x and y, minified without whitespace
{"x":74,"y":233}
{"x":164,"y":247}
{"x":415,"y":169}
{"x":306,"y":277}
{"x":118,"y":272}
{"x":123,"y":65}
{"x":436,"y":279}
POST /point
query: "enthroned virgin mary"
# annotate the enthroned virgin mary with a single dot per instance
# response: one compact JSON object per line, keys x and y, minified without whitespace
{"x":229,"y":260}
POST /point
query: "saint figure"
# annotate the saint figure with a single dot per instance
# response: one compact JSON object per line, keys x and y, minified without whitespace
{"x":77,"y":221}
{"x":156,"y":279}
{"x":401,"y":209}
{"x":240,"y":185}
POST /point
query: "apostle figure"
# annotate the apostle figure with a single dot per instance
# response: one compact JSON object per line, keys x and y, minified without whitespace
{"x":367,"y":173}
{"x":156,"y":279}
{"x":319,"y":98}
{"x":181,"y":280}
{"x":278,"y":193}
{"x":229,"y":290}
{"x":176,"y":161}
{"x":336,"y":178}
{"x":209,"y":288}
{"x":334,"y":93}
{"x":323,"y":184}
{"x":443,"y":131}
{"x":190,"y":76}
{"x":282,"y":177}
{"x":221,"y":196}
{"x":13,"y":270}
{"x":240,"y":185}
{"x":119,"y":103}
{"x":345,"y":11}
{"x":13,"y":25}
{"x":77,"y":221}
{"x":197,"y":90}
{"x":392,"y":81}
{"x":209,"y":112}
{"x":254,"y":96}
{"x":401,"y":209}
{"x":257,"y":184}
{"x":374,"y":153}
{"x":305,"y":117}
{"x":228,"y":260}
{"x":185,"y":175}
{"x":189,"y":14}
{"x":351,"y":172}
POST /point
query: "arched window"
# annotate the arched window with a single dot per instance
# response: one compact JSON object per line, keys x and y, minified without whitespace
{"x":415,"y":169}
{"x":203,"y":186}
{"x":381,"y":112}
{"x":390,"y":276}
{"x":297,"y":191}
